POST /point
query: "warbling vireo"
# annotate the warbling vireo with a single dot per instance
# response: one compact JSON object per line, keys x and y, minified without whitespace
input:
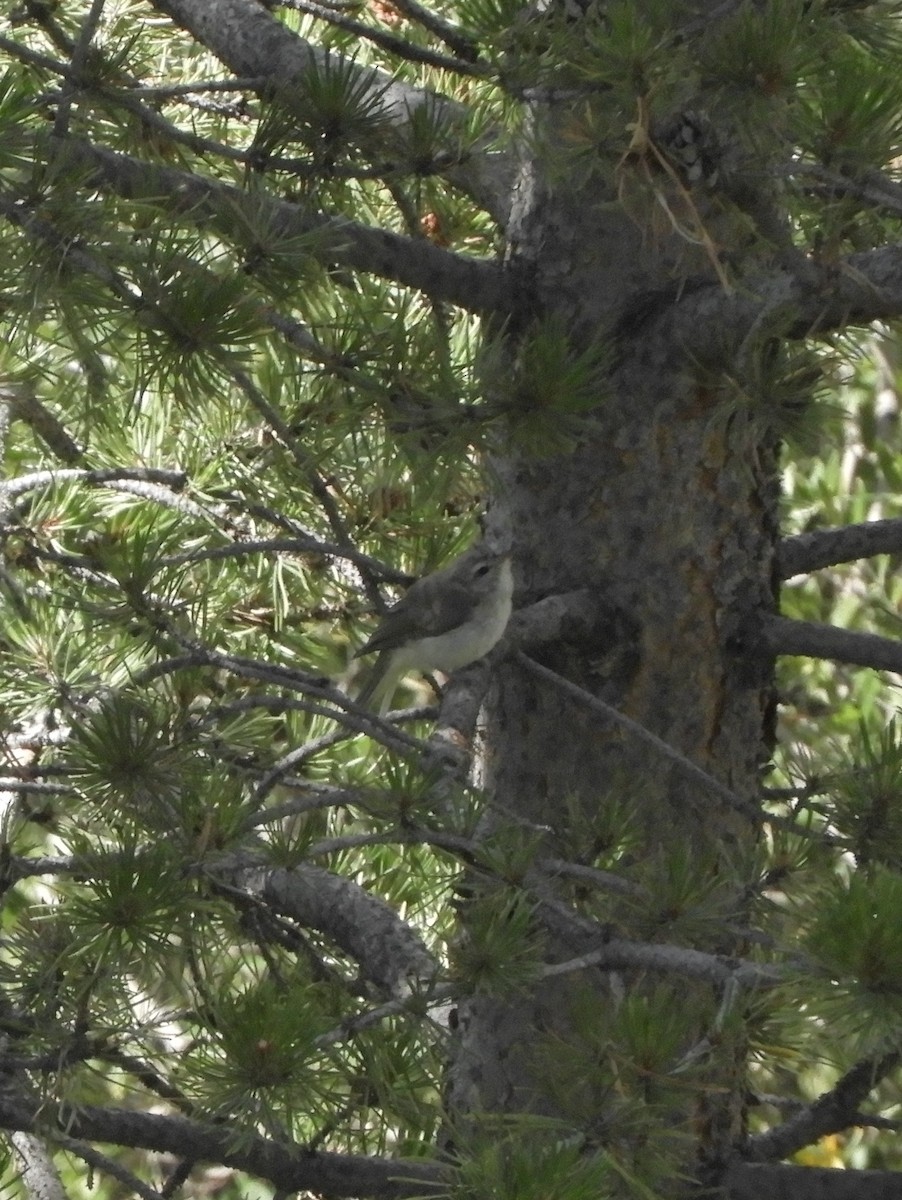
{"x":444,"y":621}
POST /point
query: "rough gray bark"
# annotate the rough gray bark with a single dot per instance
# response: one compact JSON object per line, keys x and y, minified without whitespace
{"x":667,"y":518}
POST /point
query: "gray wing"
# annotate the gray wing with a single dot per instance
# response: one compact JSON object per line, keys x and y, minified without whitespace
{"x":420,"y":613}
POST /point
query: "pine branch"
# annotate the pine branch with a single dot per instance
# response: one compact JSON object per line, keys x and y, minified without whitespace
{"x":461,"y":702}
{"x":382,"y":1179}
{"x":253,"y":83}
{"x":569,"y":616}
{"x":871,"y":187}
{"x":780,"y":635}
{"x":388,"y":951}
{"x":39,"y":1175}
{"x":779,"y":1181}
{"x":106,"y":1166}
{"x":463,"y":847}
{"x":718,"y":970}
{"x":299,"y":336}
{"x":100,"y":477}
{"x":42,"y":15}
{"x":25,"y":406}
{"x":131,"y":98}
{"x":828,"y":547}
{"x":290,"y":762}
{"x":471,"y":283}
{"x":832,"y":1112}
{"x":452,"y":35}
{"x":607,"y":881}
{"x":859,"y":289}
{"x":293,"y":545}
{"x":251,"y":42}
{"x":287,"y":1166}
{"x":252,"y":156}
{"x":34,"y":57}
{"x":316,"y":483}
{"x":310,"y":800}
{"x":34,"y":787}
{"x":147,"y":1075}
{"x":395,"y":45}
{"x":436,"y":997}
{"x":79,"y":60}
{"x":329,"y":702}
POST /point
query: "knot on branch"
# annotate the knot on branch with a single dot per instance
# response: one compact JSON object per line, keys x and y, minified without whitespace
{"x":691,"y":145}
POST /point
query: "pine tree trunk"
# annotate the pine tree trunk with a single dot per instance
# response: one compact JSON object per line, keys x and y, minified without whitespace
{"x":664,"y":508}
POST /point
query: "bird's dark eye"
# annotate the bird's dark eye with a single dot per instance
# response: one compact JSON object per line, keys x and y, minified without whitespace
{"x":481,"y":570}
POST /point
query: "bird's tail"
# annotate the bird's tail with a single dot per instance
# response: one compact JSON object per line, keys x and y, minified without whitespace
{"x":378,"y":685}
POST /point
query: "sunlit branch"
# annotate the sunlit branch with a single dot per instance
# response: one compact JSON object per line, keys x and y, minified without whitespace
{"x":395,"y":45}
{"x":99,"y":477}
{"x":452,"y":35}
{"x":38,"y":1172}
{"x":832,"y":1112}
{"x":251,"y":83}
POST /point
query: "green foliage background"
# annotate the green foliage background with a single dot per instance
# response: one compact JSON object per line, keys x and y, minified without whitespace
{"x":209,"y":431}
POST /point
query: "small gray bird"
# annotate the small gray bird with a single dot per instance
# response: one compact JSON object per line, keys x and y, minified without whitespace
{"x":444,"y":621}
